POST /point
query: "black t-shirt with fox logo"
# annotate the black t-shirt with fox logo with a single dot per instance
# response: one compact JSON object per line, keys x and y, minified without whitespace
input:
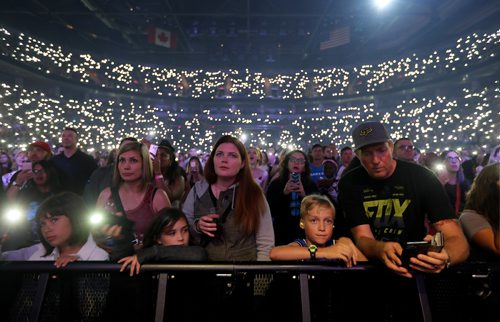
{"x":396,"y":208}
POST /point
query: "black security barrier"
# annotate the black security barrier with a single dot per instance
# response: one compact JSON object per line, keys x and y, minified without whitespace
{"x":306,"y":291}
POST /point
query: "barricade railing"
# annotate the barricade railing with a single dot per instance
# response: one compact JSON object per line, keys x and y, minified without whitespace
{"x":32,"y":296}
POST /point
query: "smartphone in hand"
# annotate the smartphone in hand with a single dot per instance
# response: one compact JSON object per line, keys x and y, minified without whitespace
{"x":294,"y":176}
{"x":412,"y":249}
{"x":153,"y":150}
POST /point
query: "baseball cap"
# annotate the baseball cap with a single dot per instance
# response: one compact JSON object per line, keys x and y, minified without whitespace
{"x":166,"y":144}
{"x":42,"y":145}
{"x":369,"y":133}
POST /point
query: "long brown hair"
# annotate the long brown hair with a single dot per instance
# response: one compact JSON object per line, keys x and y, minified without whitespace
{"x":305,"y":176}
{"x":250,"y":200}
{"x":460,"y":174}
{"x":483,"y":196}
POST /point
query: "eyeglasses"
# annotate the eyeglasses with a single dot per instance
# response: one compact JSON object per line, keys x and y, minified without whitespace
{"x":453,"y":159}
{"x":299,"y":161}
{"x":37,"y":171}
{"x":406,"y":147}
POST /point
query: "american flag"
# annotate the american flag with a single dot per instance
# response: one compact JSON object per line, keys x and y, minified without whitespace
{"x":338,"y":37}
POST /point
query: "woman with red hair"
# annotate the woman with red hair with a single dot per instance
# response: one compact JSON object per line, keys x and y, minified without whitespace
{"x":228,"y":212}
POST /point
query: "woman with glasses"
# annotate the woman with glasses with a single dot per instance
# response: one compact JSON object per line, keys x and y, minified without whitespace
{"x":285,"y":194}
{"x":45,"y":182}
{"x":453,"y":179}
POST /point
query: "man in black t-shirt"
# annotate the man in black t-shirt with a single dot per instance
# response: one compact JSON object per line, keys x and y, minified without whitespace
{"x":75,"y":167}
{"x":386,"y":202}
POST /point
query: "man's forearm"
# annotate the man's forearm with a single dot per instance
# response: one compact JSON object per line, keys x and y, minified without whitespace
{"x":455,"y":242}
{"x":370,"y":247}
{"x":457,"y":248}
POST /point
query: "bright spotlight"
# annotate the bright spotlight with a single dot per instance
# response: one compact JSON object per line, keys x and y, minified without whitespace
{"x":381,"y":4}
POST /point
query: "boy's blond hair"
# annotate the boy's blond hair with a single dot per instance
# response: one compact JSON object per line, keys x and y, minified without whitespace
{"x":314,"y":200}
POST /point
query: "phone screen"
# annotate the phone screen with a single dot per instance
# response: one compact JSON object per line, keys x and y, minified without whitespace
{"x":295,"y":176}
{"x":153,"y":149}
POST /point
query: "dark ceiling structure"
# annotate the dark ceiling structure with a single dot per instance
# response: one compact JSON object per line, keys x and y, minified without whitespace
{"x":259,"y":34}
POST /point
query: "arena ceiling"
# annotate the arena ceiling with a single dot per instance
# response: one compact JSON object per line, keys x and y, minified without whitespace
{"x":260,"y":34}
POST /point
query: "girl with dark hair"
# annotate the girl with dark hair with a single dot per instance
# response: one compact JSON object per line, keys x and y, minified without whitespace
{"x":65,"y":233}
{"x":285,"y":194}
{"x":194,"y":173}
{"x":481,"y":217}
{"x":453,"y":179}
{"x":227,"y":211}
{"x":170,"y":228}
{"x":168,"y":174}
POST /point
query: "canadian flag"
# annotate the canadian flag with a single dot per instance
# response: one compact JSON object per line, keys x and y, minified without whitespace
{"x":161,"y":37}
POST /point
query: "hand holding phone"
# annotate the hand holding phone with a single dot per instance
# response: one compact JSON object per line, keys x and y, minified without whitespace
{"x":294,"y":176}
{"x":153,"y":150}
{"x":412,"y":249}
